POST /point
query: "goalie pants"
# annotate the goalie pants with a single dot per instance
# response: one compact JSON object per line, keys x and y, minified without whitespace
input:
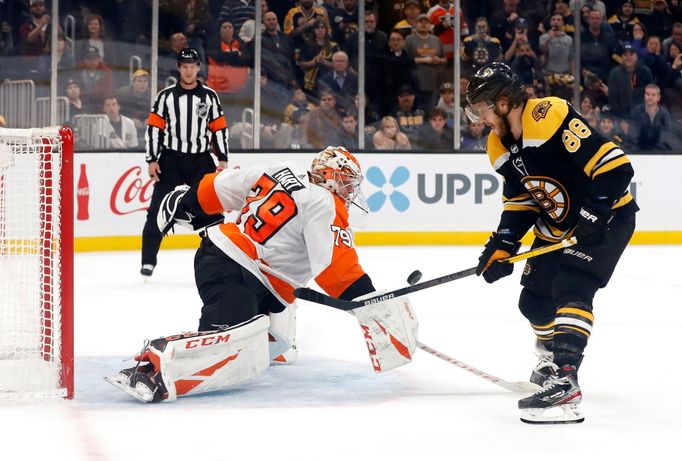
{"x":176,"y":169}
{"x":559,"y":287}
{"x":230,"y":293}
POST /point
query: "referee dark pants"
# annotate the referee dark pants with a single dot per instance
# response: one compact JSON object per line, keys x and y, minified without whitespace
{"x":176,"y":169}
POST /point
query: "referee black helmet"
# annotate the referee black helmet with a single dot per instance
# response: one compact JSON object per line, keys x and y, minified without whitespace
{"x":188,"y":56}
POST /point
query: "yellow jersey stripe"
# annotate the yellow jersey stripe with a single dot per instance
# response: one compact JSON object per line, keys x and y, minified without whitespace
{"x":603,"y":150}
{"x":610,"y":166}
{"x":578,"y":329}
{"x":624,"y":200}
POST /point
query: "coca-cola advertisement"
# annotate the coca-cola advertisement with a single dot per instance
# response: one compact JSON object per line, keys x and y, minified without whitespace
{"x":83,"y":195}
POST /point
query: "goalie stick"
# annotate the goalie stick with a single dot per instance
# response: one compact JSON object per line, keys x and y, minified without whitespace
{"x":308,"y":294}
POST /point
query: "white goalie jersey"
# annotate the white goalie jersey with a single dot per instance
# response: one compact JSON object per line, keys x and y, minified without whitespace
{"x":286,"y":223}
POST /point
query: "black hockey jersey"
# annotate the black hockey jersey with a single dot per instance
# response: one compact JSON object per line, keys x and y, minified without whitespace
{"x":559,"y":162}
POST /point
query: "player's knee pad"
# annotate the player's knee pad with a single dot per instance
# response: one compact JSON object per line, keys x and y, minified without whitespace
{"x":539,"y":310}
{"x":572,"y":286}
{"x":194,"y":363}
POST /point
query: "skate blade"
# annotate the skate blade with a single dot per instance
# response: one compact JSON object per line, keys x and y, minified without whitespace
{"x":562,"y":414}
{"x":142,"y":396}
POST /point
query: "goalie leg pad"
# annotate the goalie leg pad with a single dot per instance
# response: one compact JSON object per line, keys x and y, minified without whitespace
{"x":283,"y":335}
{"x":390,"y":331}
{"x":198,"y":362}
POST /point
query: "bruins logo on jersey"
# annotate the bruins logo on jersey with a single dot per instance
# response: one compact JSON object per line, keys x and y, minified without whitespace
{"x":550,"y":195}
{"x":540,"y":111}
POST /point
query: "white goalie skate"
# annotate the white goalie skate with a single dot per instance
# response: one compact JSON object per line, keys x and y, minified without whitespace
{"x":139,"y":384}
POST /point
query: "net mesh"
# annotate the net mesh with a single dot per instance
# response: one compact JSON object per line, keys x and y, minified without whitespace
{"x":30,"y":282}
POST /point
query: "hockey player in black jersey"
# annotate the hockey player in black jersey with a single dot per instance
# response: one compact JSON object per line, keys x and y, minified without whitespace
{"x":564,"y":179}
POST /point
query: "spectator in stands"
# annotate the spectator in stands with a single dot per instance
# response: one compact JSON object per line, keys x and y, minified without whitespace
{"x":474,"y":139}
{"x":427,"y":52}
{"x":626,"y":84}
{"x":639,"y":39}
{"x":598,"y":47}
{"x":341,"y":81}
{"x":520,"y":36}
{"x":376,"y":44}
{"x":596,"y":88}
{"x":397,"y":70}
{"x":624,"y":21}
{"x":504,"y":21}
{"x":675,"y":37}
{"x":606,"y":126}
{"x":371,"y":115}
{"x":3,"y":122}
{"x":96,"y":79}
{"x":557,"y":48}
{"x":345,"y":22}
{"x":348,"y":133}
{"x":241,"y":14}
{"x":411,"y":10}
{"x":442,"y":17}
{"x":315,"y":58}
{"x":655,"y":61}
{"x":592,"y":4}
{"x":590,"y":110}
{"x":659,"y":21}
{"x":65,"y":61}
{"x":651,"y":122}
{"x":435,"y":135}
{"x":446,"y":102}
{"x":35,"y":34}
{"x":410,"y":119}
{"x":299,"y":22}
{"x":228,"y":63}
{"x":168,"y":62}
{"x":121,"y":130}
{"x":527,"y":65}
{"x":561,"y":8}
{"x":480,"y":48}
{"x":94,"y":35}
{"x":297,"y":108}
{"x":389,"y":137}
{"x":6,"y":38}
{"x":135,"y":98}
{"x":277,"y":54}
{"x":73,"y":95}
{"x":324,"y":122}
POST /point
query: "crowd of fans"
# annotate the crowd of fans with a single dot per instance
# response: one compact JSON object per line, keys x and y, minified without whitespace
{"x":630,"y":55}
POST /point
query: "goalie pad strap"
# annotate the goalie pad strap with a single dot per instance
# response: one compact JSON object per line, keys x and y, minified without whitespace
{"x":390,"y":331}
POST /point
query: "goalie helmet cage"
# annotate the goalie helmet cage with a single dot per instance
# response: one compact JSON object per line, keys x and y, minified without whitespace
{"x":36,"y":263}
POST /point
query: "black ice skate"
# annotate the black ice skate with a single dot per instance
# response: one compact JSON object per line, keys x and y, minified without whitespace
{"x":140,"y":382}
{"x":558,"y":402}
{"x":546,"y":367}
{"x":146,"y":271}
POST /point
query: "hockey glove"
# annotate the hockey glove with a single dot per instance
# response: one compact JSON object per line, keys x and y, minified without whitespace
{"x":174,"y":209}
{"x":497,"y":248}
{"x":593,"y":225}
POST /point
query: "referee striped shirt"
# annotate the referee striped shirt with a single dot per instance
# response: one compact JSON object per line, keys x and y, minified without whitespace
{"x":187,"y":121}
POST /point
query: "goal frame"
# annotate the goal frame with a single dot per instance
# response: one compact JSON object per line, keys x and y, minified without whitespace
{"x":63,"y":226}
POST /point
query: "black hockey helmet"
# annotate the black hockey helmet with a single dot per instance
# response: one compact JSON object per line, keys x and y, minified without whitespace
{"x":493,"y":80}
{"x":189,"y":56}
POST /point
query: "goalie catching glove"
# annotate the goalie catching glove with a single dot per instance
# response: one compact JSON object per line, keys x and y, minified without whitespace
{"x":182,"y":207}
{"x":390,"y":331}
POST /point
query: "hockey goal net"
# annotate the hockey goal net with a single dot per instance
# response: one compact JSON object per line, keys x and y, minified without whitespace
{"x":36,"y":263}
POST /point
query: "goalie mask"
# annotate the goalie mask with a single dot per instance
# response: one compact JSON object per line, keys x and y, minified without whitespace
{"x":338,"y":170}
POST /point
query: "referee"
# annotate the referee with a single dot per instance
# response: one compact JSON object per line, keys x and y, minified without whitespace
{"x":185,"y":122}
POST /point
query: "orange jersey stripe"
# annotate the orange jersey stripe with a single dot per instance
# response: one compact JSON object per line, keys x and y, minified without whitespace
{"x":238,"y":238}
{"x":157,"y":121}
{"x":207,"y":195}
{"x":344,"y":268}
{"x":218,"y":124}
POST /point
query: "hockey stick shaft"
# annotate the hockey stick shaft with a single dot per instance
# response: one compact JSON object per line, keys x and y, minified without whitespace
{"x":308,"y":294}
{"x":519,"y":386}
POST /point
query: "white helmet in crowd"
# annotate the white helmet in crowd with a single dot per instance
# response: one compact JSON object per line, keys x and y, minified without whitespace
{"x":339,"y":171}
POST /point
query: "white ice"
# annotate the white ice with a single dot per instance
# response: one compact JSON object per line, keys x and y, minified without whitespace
{"x":330,"y":405}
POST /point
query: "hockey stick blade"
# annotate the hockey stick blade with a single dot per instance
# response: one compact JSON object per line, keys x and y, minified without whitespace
{"x":521,"y":387}
{"x":308,"y":294}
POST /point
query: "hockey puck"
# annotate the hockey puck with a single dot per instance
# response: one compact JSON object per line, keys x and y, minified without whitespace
{"x":414,"y":277}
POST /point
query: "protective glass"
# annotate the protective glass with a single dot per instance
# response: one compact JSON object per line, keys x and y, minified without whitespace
{"x":476,"y":111}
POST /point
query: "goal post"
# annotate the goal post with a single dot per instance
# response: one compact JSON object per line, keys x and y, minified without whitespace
{"x":36,"y":263}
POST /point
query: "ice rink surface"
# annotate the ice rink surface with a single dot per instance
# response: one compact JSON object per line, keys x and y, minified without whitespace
{"x":330,"y":405}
